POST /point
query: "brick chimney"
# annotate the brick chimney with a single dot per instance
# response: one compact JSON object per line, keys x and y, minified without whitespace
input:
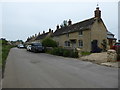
{"x":39,"y":33}
{"x":49,"y":29}
{"x":97,"y":13}
{"x":69,"y":22}
{"x":52,"y":31}
{"x":35,"y":35}
{"x":57,"y":26}
{"x":43,"y":32}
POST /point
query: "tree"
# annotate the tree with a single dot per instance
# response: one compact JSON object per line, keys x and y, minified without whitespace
{"x":48,"y":42}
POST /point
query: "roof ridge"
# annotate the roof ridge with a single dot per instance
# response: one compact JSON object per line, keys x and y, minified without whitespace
{"x":85,"y":24}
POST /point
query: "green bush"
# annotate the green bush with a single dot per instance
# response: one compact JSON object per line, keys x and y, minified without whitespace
{"x":66,"y":53}
{"x":55,"y":51}
{"x":85,"y":53}
{"x":74,"y":54}
{"x":48,"y":42}
{"x":63,"y":52}
{"x":4,"y":42}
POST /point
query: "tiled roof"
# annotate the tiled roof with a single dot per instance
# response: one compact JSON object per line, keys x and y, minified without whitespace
{"x":110,"y":35}
{"x":83,"y":25}
{"x":108,"y":32}
{"x":41,"y":36}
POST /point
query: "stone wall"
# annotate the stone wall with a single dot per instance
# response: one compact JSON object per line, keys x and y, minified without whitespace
{"x":111,"y":55}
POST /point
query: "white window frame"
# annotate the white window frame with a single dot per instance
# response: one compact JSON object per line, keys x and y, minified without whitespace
{"x":80,"y":43}
{"x":80,"y":33}
{"x":67,"y":43}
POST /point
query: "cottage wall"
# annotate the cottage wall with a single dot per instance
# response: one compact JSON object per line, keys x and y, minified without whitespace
{"x":98,"y":32}
{"x":75,"y":36}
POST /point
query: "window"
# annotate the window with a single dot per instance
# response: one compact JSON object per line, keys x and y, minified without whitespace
{"x":80,"y":33}
{"x":67,"y":43}
{"x":80,"y":43}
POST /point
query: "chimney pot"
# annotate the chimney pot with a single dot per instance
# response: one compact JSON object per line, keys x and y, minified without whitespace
{"x":49,"y":29}
{"x":57,"y":26}
{"x":43,"y":32}
{"x":39,"y":33}
{"x":69,"y":22}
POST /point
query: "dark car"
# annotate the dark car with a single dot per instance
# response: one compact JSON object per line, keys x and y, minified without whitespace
{"x":37,"y":47}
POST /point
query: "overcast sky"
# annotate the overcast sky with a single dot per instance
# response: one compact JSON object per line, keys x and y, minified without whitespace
{"x":20,"y":20}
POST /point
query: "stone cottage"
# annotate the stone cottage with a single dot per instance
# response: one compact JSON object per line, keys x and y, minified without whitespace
{"x":84,"y":35}
{"x":44,"y":35}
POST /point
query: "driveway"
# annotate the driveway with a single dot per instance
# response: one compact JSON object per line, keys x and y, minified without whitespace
{"x":39,"y":70}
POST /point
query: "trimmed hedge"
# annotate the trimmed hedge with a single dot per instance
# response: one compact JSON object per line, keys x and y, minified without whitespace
{"x":63,"y":52}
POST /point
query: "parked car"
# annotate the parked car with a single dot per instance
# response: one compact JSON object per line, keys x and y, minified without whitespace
{"x":28,"y":48}
{"x":21,"y":46}
{"x":116,"y":46}
{"x":37,"y":47}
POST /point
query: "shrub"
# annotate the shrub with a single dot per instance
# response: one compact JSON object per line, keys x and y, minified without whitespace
{"x":74,"y":54}
{"x":63,"y":52}
{"x":4,"y":42}
{"x":55,"y":51}
{"x":66,"y":53}
{"x":48,"y":42}
{"x":85,"y":53}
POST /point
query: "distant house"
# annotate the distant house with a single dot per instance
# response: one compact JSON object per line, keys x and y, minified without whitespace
{"x":15,"y":43}
{"x":111,"y":39}
{"x":44,"y":35}
{"x":31,"y":39}
{"x":85,"y":34}
{"x":40,"y":37}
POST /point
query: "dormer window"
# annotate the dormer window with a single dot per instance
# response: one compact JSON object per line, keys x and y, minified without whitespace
{"x":80,"y":33}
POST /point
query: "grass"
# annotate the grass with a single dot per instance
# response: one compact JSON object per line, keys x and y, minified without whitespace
{"x":4,"y":51}
{"x":85,"y":53}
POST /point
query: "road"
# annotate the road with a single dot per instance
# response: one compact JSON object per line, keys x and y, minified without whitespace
{"x":39,"y":70}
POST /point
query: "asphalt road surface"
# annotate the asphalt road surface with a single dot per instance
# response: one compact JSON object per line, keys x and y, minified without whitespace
{"x":39,"y":70}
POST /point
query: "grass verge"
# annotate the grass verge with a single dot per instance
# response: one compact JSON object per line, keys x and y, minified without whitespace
{"x":5,"y":52}
{"x":85,"y":53}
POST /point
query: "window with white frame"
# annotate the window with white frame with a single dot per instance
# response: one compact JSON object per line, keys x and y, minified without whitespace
{"x":80,"y":33}
{"x":80,"y":43}
{"x":67,"y":43}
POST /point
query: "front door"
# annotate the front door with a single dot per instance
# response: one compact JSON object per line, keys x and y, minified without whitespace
{"x":73,"y":42}
{"x":94,"y":45}
{"x":73,"y":45}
